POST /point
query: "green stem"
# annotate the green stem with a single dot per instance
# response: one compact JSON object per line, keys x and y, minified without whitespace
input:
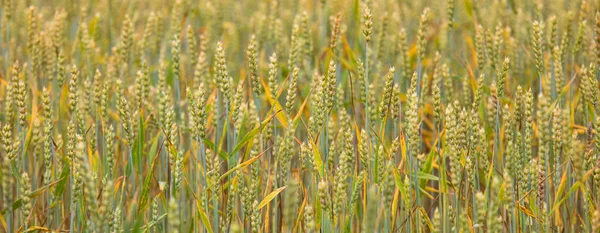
{"x":367,"y":109}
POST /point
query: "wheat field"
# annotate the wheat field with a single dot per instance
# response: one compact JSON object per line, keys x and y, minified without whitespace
{"x":226,"y":116}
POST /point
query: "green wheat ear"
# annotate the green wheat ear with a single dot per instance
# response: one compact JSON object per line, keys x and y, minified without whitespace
{"x":367,"y":24}
{"x":25,"y":196}
{"x":424,"y":20}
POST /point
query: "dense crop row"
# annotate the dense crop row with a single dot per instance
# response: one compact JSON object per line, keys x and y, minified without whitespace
{"x":299,"y":116}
